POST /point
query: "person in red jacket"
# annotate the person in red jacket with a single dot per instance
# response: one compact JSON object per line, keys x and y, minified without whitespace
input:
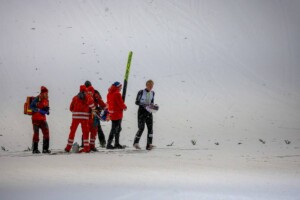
{"x":93,"y":121}
{"x":116,"y":106}
{"x":40,"y":107}
{"x":80,"y":107}
{"x":100,"y":106}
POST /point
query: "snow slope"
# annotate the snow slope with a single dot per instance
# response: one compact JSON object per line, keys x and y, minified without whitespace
{"x":225,"y":72}
{"x":160,"y":174}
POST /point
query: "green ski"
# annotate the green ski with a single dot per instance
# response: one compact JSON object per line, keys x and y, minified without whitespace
{"x":126,"y":75}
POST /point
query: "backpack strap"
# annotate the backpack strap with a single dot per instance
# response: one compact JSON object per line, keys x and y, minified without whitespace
{"x":138,"y":98}
{"x":33,"y":105}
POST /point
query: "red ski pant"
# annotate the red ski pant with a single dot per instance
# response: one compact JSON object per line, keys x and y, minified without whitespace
{"x":93,"y":133}
{"x":85,"y":133}
{"x":37,"y":125}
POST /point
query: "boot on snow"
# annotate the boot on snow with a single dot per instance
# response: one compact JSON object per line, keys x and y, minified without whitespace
{"x":149,"y":147}
{"x":35,"y":149}
{"x":109,"y":146}
{"x":46,"y":146}
{"x":136,"y":146}
{"x":118,"y":146}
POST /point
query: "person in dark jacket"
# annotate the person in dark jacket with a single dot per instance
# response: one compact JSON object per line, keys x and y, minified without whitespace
{"x":94,"y":123}
{"x":145,"y":98}
{"x":40,"y":107}
{"x":100,"y":107}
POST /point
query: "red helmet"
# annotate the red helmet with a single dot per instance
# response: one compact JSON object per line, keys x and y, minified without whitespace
{"x":44,"y":89}
{"x":82,"y":88}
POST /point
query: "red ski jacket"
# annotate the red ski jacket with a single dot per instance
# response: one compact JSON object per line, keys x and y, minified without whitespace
{"x":41,"y":103}
{"x":80,"y":108}
{"x":115,"y":103}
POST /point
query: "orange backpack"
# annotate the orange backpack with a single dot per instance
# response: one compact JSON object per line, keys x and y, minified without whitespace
{"x":27,"y":110}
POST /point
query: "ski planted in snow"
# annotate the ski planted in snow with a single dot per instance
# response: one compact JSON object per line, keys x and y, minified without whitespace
{"x":126,"y":75}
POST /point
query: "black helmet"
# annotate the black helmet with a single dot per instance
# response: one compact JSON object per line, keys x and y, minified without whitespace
{"x":87,"y":83}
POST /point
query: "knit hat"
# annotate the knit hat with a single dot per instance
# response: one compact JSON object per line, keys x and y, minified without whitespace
{"x":91,"y":89}
{"x":44,"y":89}
{"x":117,"y":84}
{"x":87,"y":83}
{"x":82,"y":88}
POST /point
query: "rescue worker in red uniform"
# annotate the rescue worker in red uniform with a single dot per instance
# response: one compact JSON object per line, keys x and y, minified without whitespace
{"x":116,"y":106}
{"x":80,"y":107}
{"x":40,"y":107}
{"x":94,"y":118}
{"x":100,"y":106}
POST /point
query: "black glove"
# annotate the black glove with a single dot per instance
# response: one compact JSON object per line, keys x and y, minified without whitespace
{"x":47,"y":108}
{"x":98,"y":108}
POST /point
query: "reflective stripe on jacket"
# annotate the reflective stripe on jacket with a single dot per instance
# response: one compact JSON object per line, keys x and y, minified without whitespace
{"x":80,"y":108}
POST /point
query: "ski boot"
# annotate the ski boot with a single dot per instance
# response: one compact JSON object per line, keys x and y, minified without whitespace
{"x":136,"y":146}
{"x":93,"y":148}
{"x":118,"y":146}
{"x":102,"y":144}
{"x":46,"y":151}
{"x":109,"y":146}
{"x":68,"y":148}
{"x":46,"y":146}
{"x":149,"y":147}
{"x":35,"y":149}
{"x":85,"y":150}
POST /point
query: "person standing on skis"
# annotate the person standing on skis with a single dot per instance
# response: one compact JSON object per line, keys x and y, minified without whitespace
{"x":145,"y":98}
{"x":80,"y":107}
{"x":116,"y":106}
{"x":40,"y":107}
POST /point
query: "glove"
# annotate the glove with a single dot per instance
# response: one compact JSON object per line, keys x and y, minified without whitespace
{"x":103,"y":115}
{"x":43,"y":112}
{"x":47,"y":108}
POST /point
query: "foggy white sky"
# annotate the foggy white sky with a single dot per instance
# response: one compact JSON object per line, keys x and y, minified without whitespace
{"x":210,"y":60}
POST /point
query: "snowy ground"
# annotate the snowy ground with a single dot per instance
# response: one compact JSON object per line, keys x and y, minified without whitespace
{"x":165,"y":173}
{"x":226,"y":75}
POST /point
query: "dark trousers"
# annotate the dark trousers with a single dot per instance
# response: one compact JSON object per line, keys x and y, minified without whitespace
{"x":43,"y":125}
{"x":115,"y":132}
{"x":101,"y":135}
{"x":144,"y":117}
